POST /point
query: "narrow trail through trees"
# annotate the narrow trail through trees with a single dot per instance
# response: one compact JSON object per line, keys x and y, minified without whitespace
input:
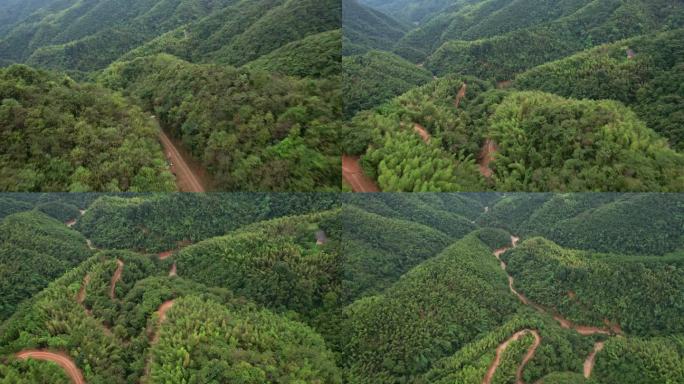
{"x":353,"y":174}
{"x":186,"y":179}
{"x":564,"y":323}
{"x":420,"y":130}
{"x":60,"y":359}
{"x":80,"y":297}
{"x":487,"y":156}
{"x":461,"y":94}
{"x":116,"y":278}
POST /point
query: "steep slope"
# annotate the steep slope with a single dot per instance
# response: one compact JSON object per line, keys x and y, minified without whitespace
{"x":84,"y":36}
{"x":375,"y":77}
{"x":367,"y":29}
{"x":62,"y":136}
{"x":643,"y":72}
{"x":34,"y":250}
{"x":252,"y":131}
{"x":501,"y":57}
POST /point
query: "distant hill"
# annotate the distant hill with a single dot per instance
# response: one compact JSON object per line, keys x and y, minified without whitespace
{"x":366,"y":28}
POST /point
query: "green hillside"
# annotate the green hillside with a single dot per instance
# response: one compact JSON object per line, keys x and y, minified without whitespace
{"x":329,"y":288}
{"x":366,"y":29}
{"x":59,"y":135}
{"x":253,"y":131}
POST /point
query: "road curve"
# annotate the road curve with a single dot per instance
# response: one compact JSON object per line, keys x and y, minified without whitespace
{"x":115,"y":278}
{"x":589,"y":362}
{"x":353,"y":174}
{"x":60,"y":359}
{"x":420,"y":130}
{"x":502,"y":348}
{"x":186,"y":180}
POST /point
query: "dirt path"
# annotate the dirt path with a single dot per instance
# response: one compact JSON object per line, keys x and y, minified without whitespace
{"x":419,"y":129}
{"x":589,"y":362}
{"x":461,"y":95}
{"x":186,"y":179}
{"x":487,"y":156}
{"x":166,"y":255}
{"x":503,"y":84}
{"x":70,"y":223}
{"x":80,"y":297}
{"x":353,"y":174}
{"x":115,"y":278}
{"x":90,"y":244}
{"x":502,"y":348}
{"x":60,"y":359}
{"x":173,"y":272}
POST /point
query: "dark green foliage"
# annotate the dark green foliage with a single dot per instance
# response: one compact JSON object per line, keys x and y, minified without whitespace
{"x":277,"y":264}
{"x":649,"y":82}
{"x":366,"y":29}
{"x":157,"y":223}
{"x":34,"y":250}
{"x":313,"y":56}
{"x":9,"y":206}
{"x":648,"y":224}
{"x":378,"y":250}
{"x":251,"y":130}
{"x":59,"y":210}
{"x":501,"y":57}
{"x":61,"y":136}
{"x":433,"y":311}
{"x":413,"y":11}
{"x":86,"y":36}
{"x":641,"y":294}
{"x":511,"y":211}
{"x":32,"y":371}
{"x":375,"y":77}
{"x":495,"y":238}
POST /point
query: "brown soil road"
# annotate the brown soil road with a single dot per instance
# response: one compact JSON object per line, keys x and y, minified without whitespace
{"x":419,"y":129}
{"x":90,"y":244}
{"x":461,"y":95}
{"x":589,"y":362}
{"x":116,"y":277}
{"x":502,"y":347}
{"x":486,"y":157}
{"x":70,"y":223}
{"x":173,"y":272}
{"x":80,"y":297}
{"x":186,"y":180}
{"x":353,"y":174}
{"x":165,"y":255}
{"x":60,"y":359}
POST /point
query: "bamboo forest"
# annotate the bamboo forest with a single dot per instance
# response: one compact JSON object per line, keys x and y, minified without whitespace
{"x":513,"y":95}
{"x":580,"y":288}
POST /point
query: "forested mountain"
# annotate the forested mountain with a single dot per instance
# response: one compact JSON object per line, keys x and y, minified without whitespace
{"x":471,"y":127}
{"x":366,"y":28}
{"x":59,"y":135}
{"x":246,"y":93}
{"x":316,"y":288}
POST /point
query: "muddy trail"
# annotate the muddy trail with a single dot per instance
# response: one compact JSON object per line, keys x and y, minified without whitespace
{"x":80,"y":297}
{"x":161,"y":313}
{"x":353,"y":174}
{"x":187,"y":178}
{"x":420,"y":130}
{"x":173,"y":271}
{"x":563,"y":322}
{"x":589,"y":362}
{"x":487,"y":156}
{"x":502,"y":348}
{"x":115,"y":278}
{"x":61,"y":359}
{"x":461,"y":94}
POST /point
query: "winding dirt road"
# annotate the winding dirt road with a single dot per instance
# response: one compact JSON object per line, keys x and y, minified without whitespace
{"x":461,"y":94}
{"x":564,"y":323}
{"x":60,"y":359}
{"x":173,"y":272}
{"x":502,"y":348}
{"x":186,"y":179}
{"x":115,"y":278}
{"x":353,"y":174}
{"x":420,"y":130}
